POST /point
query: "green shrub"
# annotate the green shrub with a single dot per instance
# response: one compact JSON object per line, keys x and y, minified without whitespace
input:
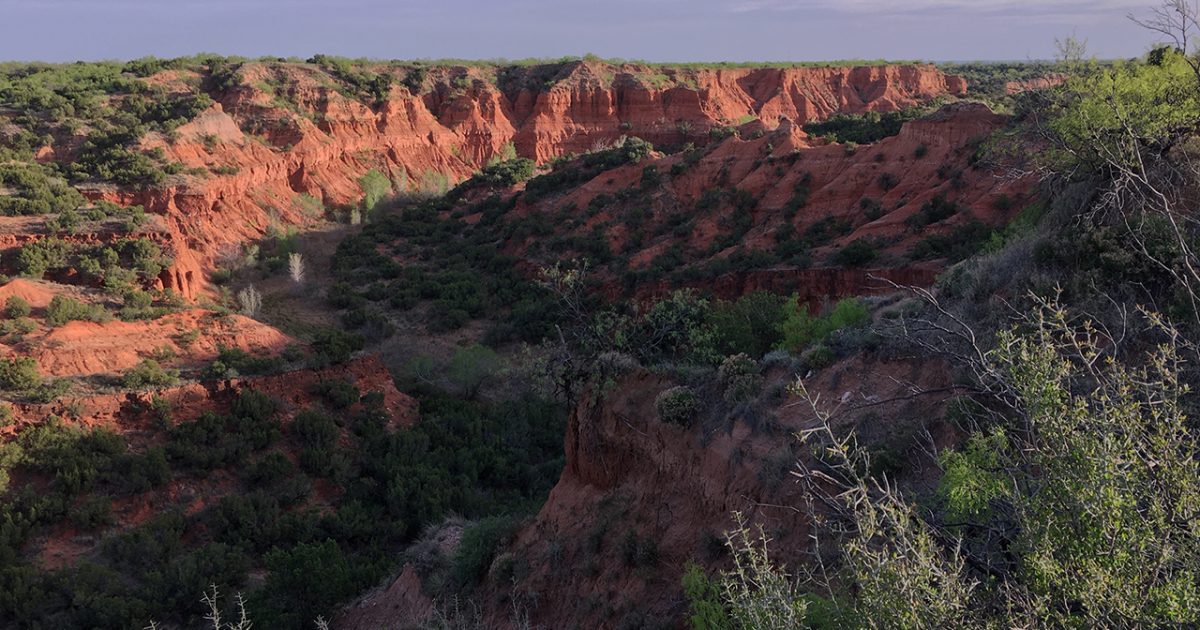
{"x":800,"y":329}
{"x":871,"y":208}
{"x":478,"y":547}
{"x":818,"y":357}
{"x":238,"y":362}
{"x":375,"y":187}
{"x":933,"y":211}
{"x":332,"y":346}
{"x":415,"y":79}
{"x":138,"y":305}
{"x":677,"y":405}
{"x":473,"y":366}
{"x":739,"y":378}
{"x":49,"y":391}
{"x":318,"y":435}
{"x":826,"y":229}
{"x":956,"y":245}
{"x":145,"y":256}
{"x":360,"y":83}
{"x":588,"y":166}
{"x":861,"y":128}
{"x":19,"y":374}
{"x":23,"y":326}
{"x":706,"y":603}
{"x":269,"y":469}
{"x":339,"y":393}
{"x":800,"y":193}
{"x":63,"y":309}
{"x":305,"y":582}
{"x":107,"y":156}
{"x":638,"y":552}
{"x":749,"y":324}
{"x":32,"y":189}
{"x":507,"y":173}
{"x":36,"y":258}
{"x":859,"y":252}
{"x":149,"y":373}
{"x":162,"y":409}
{"x":17,"y":307}
{"x":315,"y":430}
{"x":255,"y":406}
{"x":92,"y":513}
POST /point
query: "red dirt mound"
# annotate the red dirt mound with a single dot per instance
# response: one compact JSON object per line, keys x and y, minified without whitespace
{"x":194,"y":336}
{"x":38,"y":294}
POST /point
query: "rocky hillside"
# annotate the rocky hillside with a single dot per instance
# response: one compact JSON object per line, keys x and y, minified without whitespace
{"x":281,"y":141}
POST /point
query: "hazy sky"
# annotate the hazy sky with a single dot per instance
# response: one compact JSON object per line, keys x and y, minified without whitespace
{"x":660,"y":30}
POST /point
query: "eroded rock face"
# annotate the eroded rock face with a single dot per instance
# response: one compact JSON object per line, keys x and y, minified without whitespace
{"x":267,"y":146}
{"x":599,"y":103}
{"x":1039,"y":83}
{"x":676,"y":489}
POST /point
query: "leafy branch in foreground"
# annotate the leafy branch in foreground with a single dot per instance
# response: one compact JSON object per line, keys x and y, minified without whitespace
{"x":1079,"y":508}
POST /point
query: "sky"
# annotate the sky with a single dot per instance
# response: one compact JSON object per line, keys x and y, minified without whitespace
{"x":654,"y":30}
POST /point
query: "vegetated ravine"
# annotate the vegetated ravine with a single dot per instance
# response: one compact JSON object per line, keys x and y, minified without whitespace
{"x":394,"y":344}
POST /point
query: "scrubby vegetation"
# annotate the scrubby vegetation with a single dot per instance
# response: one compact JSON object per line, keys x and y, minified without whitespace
{"x":356,"y":81}
{"x":861,"y":128}
{"x":570,"y":172}
{"x":33,"y":190}
{"x":149,"y":373}
{"x":474,"y":459}
{"x":508,"y":172}
{"x":63,"y":309}
{"x":677,"y":405}
{"x":458,"y":271}
{"x":120,"y":266}
{"x":107,"y":99}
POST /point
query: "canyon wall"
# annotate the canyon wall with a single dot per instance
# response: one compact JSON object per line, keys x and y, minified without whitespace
{"x":285,"y":133}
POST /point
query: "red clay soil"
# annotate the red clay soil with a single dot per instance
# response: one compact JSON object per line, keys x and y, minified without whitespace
{"x":37,"y":293}
{"x":85,"y":348}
